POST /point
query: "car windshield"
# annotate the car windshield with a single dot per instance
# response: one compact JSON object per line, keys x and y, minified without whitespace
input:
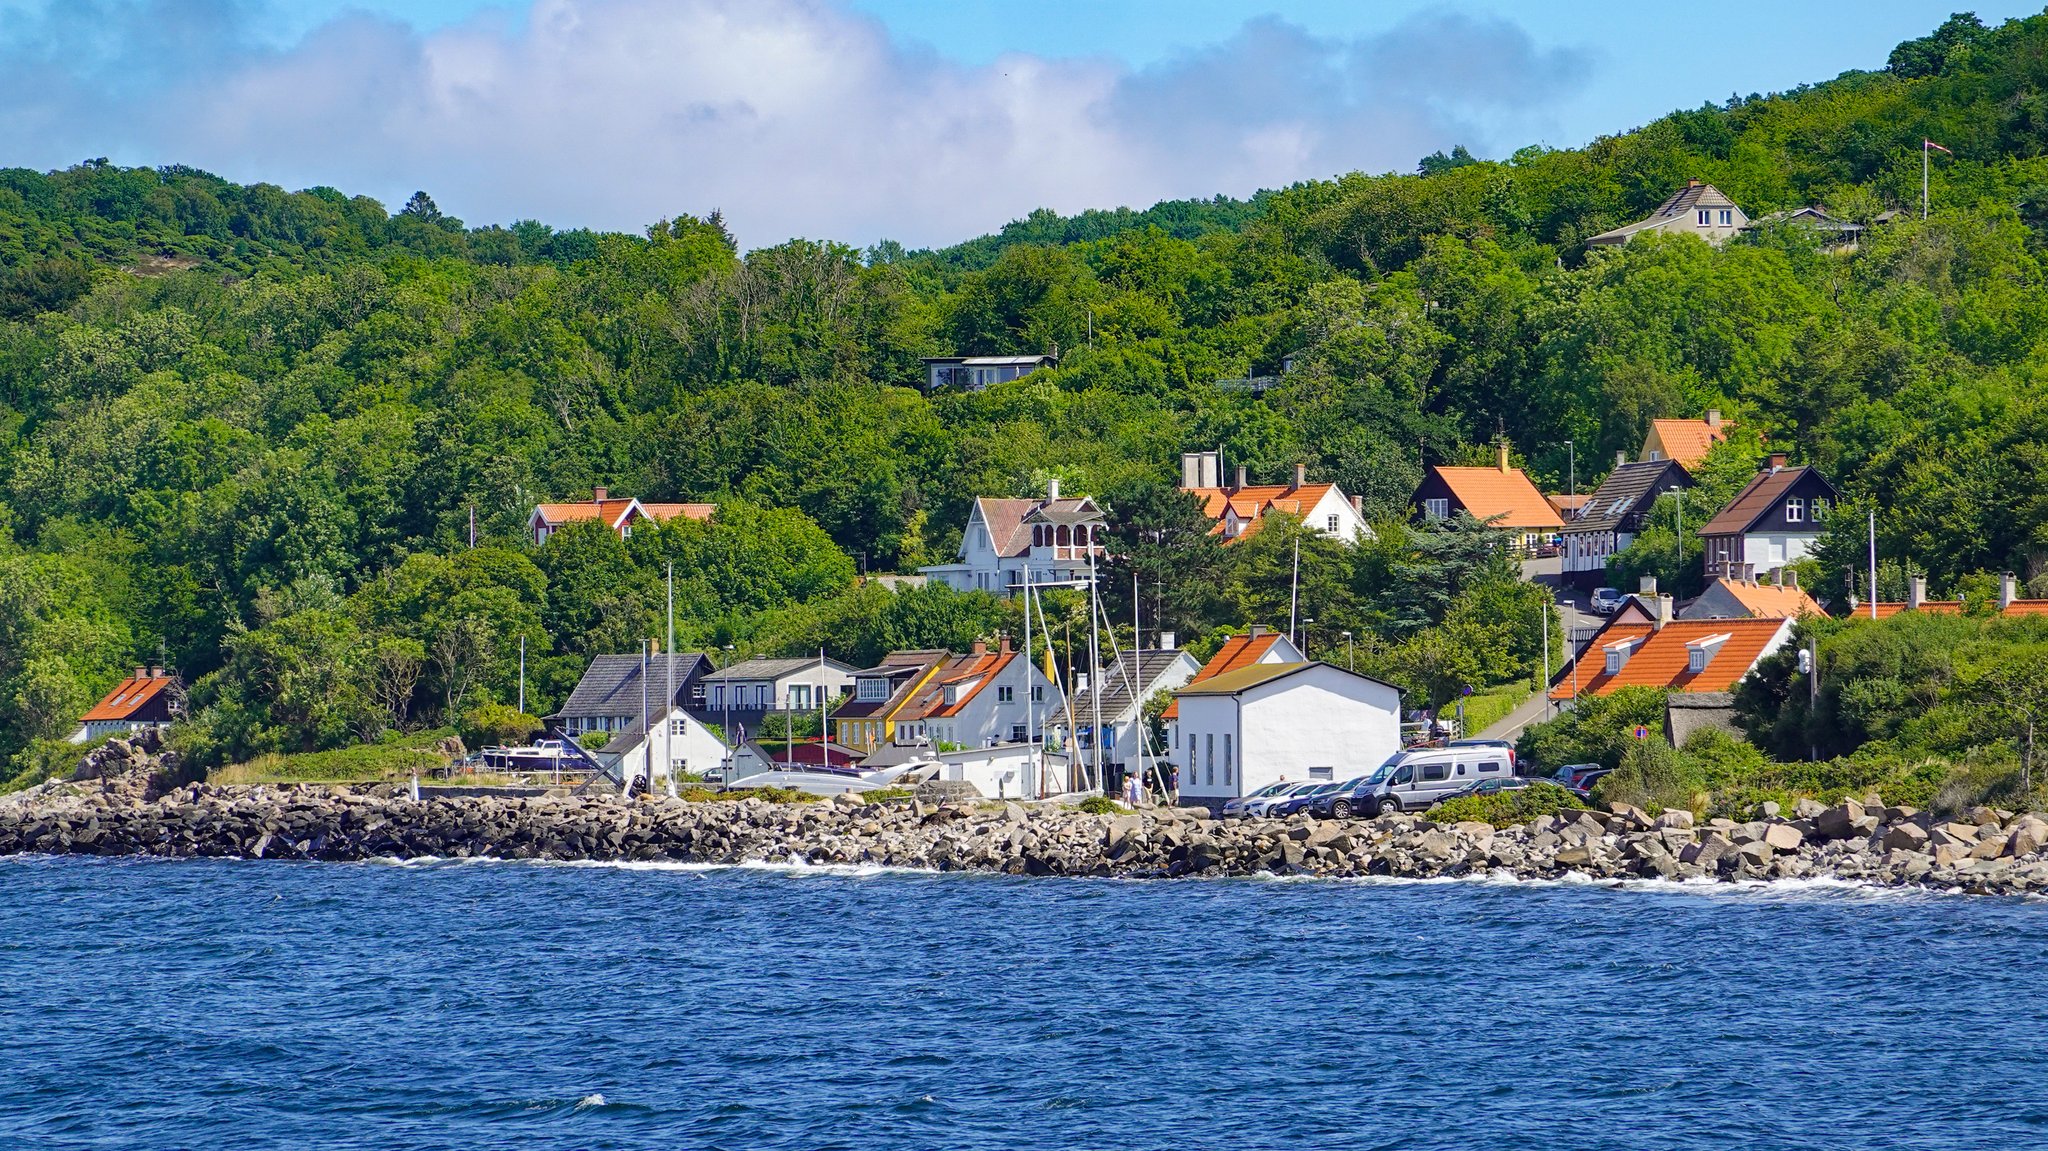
{"x":1269,"y":789}
{"x":1381,"y":773}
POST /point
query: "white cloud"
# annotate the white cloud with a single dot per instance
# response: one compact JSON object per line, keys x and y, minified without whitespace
{"x":796,"y":117}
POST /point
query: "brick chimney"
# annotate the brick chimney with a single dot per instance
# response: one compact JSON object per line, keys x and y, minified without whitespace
{"x":155,"y":672}
{"x":980,"y":648}
{"x":141,"y":673}
{"x":1258,"y":629}
{"x":1777,"y":461}
{"x":1504,"y":469}
{"x":597,"y":495}
{"x":1358,"y":506}
{"x":1300,"y":475}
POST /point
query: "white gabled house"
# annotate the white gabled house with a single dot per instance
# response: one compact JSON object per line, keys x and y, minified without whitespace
{"x":1054,"y":539}
{"x":1265,"y":723}
{"x":1123,"y":729}
{"x":1239,"y":507}
{"x":685,"y":746}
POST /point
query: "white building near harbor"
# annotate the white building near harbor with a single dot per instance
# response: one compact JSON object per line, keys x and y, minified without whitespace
{"x":1261,"y":724}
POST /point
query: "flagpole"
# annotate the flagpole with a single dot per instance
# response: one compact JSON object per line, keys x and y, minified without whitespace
{"x":1923,"y":178}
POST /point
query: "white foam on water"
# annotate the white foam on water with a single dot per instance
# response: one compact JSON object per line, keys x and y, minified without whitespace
{"x":591,"y":1100}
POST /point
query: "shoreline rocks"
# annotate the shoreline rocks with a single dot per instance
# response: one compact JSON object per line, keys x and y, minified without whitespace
{"x":116,"y":813}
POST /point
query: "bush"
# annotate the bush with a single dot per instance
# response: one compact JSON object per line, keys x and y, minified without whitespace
{"x":496,"y":724}
{"x":1506,"y":808}
{"x":364,"y":763}
{"x":593,"y":740}
{"x":40,"y":760}
{"x":887,"y":795}
{"x":1100,"y":805}
{"x":1597,"y":729}
{"x":771,"y":794}
{"x":1652,"y":776}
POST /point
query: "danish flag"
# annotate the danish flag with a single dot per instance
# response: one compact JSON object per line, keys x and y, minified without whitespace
{"x":1927,"y":145}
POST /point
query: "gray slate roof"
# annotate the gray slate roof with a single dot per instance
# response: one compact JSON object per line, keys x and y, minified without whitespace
{"x":1116,"y":694}
{"x":1626,"y":491}
{"x":611,"y":685}
{"x":752,"y":669}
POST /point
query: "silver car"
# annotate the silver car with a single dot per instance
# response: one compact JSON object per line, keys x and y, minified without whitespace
{"x":1235,"y":807}
{"x":1259,"y":804}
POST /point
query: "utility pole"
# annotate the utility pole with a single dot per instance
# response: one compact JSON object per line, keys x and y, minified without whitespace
{"x":1350,"y":664}
{"x":668,"y":660}
{"x":1294,"y":595}
{"x":522,"y":675}
{"x":1873,"y":563}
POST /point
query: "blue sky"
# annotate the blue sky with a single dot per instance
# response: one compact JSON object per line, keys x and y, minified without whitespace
{"x":921,"y":120}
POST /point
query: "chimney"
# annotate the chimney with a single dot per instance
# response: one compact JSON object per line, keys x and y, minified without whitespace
{"x":1080,"y":682}
{"x":155,"y":672}
{"x":1003,"y":646}
{"x":1052,"y":489}
{"x":1240,"y":479}
{"x":141,"y":673}
{"x":1792,"y":577}
{"x":1300,"y":476}
{"x":1167,"y":640}
{"x":1660,"y":610}
{"x":1777,"y":461}
{"x":2008,"y":590}
{"x":1692,"y":183}
{"x":1191,"y":469}
{"x":1504,"y":457}
{"x":1648,"y":586}
{"x":1620,"y":458}
{"x":1358,"y":506}
{"x":597,"y":495}
{"x":1916,"y":591}
{"x":1212,"y":469}
{"x":1258,"y":629}
{"x":1713,"y":417}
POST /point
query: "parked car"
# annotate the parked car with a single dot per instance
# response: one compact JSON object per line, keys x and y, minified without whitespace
{"x":1299,"y":801}
{"x":1233,"y":808}
{"x":1342,"y":800}
{"x":1606,"y":600}
{"x":1262,"y":807}
{"x":1505,"y":747}
{"x":1569,"y":774}
{"x":1487,"y":787}
{"x":1583,"y":785}
{"x":1415,"y":780}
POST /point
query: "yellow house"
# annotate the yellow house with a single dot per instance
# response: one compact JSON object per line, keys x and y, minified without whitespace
{"x":868,"y":718}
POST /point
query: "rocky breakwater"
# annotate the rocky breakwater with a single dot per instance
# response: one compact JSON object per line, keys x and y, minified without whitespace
{"x":122,"y":807}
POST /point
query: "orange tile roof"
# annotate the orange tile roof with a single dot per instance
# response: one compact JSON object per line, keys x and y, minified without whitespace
{"x":1253,"y":501}
{"x":1490,"y":492}
{"x":699,"y":512}
{"x":1687,"y":441}
{"x":611,"y":510}
{"x":1239,"y":651}
{"x":1661,"y":657}
{"x":1888,"y":610}
{"x":985,"y":667}
{"x":2026,"y":607}
{"x":128,"y":698}
{"x":1769,"y":601}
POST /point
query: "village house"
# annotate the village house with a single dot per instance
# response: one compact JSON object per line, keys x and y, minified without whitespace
{"x":1501,"y":497}
{"x":1774,"y":520}
{"x":617,"y":514}
{"x":981,"y":699}
{"x":739,"y":697}
{"x":609,"y":696}
{"x":1125,"y":737}
{"x":974,"y":373}
{"x":1256,"y":646}
{"x":151,"y":699}
{"x":1614,"y":515}
{"x":1007,"y":770}
{"x":1686,"y":441}
{"x":681,"y":744}
{"x":1239,"y":508}
{"x":1058,"y":542}
{"x":1697,"y":209}
{"x":1696,"y":662}
{"x":867,"y":718}
{"x":1727,"y":598}
{"x":1264,"y":723}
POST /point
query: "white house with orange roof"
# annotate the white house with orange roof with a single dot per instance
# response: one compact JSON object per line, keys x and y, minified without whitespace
{"x":1749,"y":598}
{"x":1239,"y":507}
{"x":1257,"y":646}
{"x":615,"y":513}
{"x":1057,"y":540}
{"x":151,"y":699}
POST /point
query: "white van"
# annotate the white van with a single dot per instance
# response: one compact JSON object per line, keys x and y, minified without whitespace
{"x":1414,"y":780}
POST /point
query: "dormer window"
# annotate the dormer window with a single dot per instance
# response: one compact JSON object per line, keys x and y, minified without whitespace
{"x":1618,"y":653}
{"x":1700,"y":652}
{"x":952,"y":694}
{"x":872,"y":689}
{"x":1795,"y":510}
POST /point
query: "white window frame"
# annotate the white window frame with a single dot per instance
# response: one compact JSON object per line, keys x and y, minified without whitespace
{"x":1436,"y":509}
{"x":1795,"y":510}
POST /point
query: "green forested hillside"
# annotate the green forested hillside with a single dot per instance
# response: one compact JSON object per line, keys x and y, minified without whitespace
{"x":248,"y":426}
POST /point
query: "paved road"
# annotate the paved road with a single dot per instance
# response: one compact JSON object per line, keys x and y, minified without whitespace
{"x":1579,"y":624}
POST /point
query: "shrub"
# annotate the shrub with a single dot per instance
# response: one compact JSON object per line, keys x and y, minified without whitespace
{"x":1506,"y":808}
{"x":496,"y":724}
{"x":1100,"y":805}
{"x":887,"y":795}
{"x":771,"y":794}
{"x":1652,"y":776}
{"x":594,"y":740}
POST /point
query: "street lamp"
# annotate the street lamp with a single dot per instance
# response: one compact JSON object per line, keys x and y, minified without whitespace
{"x":1572,"y":485}
{"x":1350,"y":664}
{"x":1678,"y":571}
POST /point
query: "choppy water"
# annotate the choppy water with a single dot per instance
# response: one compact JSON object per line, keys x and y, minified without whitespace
{"x":269,"y":1005}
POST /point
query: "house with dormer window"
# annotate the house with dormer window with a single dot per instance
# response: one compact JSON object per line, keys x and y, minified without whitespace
{"x":1776,"y":519}
{"x":1698,"y":209}
{"x":1058,"y":542}
{"x":620,"y":515}
{"x":1614,"y":515}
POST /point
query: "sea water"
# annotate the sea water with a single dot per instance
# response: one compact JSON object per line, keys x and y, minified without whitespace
{"x":252,"y":1005}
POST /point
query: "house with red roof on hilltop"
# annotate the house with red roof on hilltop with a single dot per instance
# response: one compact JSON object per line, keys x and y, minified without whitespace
{"x":1238,"y":508}
{"x":151,"y":699}
{"x":1500,"y":496}
{"x":615,"y":513}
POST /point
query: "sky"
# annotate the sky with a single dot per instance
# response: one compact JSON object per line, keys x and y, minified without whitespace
{"x":923,"y":121}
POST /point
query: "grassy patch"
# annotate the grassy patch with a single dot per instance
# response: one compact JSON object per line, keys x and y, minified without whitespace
{"x":364,"y":763}
{"x":1506,"y":808}
{"x":1100,"y":805}
{"x":1483,"y":709}
{"x":771,"y":794}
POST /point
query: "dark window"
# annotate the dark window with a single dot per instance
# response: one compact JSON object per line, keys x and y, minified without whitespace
{"x":1433,"y":771}
{"x":1493,"y":768}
